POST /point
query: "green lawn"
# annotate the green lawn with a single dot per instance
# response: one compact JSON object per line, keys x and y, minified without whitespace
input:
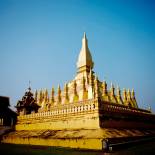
{"x":12,"y":149}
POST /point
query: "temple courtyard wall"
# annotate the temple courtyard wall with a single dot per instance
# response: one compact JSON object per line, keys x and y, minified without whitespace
{"x":87,"y":121}
{"x":76,"y":126}
{"x":95,"y":144}
{"x":72,"y":116}
{"x":82,"y":139}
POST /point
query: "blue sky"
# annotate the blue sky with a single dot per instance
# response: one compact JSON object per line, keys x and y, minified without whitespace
{"x":40,"y":41}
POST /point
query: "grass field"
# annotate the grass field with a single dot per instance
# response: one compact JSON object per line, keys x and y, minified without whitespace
{"x":12,"y":149}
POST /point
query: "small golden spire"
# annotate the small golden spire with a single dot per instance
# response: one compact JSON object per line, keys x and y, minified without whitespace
{"x":66,"y":93}
{"x":132,"y":94}
{"x":40,"y":96}
{"x":59,"y":94}
{"x":104,"y":86}
{"x":129,"y":100}
{"x":105,"y":95}
{"x":59,"y":87}
{"x":76,"y":97}
{"x":112,"y":90}
{"x":66,"y":88}
{"x":124,"y":95}
{"x":128,"y":95}
{"x":46,"y":98}
{"x":43,"y":95}
{"x":52,"y":95}
{"x":119,"y":98}
{"x":96,"y":87}
{"x":112,"y":94}
{"x":133,"y":98}
{"x":118,"y":91}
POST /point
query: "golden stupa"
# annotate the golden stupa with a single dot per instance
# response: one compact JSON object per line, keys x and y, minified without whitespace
{"x":84,"y":114}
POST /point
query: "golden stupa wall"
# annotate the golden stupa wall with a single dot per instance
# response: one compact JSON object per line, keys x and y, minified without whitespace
{"x":73,"y":116}
{"x":82,"y":143}
{"x":75,"y":107}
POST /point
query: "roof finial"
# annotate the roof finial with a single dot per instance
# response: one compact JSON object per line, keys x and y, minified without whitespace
{"x":29,"y":86}
{"x":84,"y":35}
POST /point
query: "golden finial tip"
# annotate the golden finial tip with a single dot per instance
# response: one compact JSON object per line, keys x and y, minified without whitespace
{"x":84,"y":36}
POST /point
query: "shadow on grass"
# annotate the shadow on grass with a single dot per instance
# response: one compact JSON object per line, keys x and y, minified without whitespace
{"x":13,"y":149}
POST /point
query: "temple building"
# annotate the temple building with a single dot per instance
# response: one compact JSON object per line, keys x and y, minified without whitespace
{"x":82,"y":114}
{"x":7,"y":116}
{"x":28,"y":104}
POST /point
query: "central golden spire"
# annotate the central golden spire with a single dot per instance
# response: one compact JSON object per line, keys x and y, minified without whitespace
{"x":84,"y":62}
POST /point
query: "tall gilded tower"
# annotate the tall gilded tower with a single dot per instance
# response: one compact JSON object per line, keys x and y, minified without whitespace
{"x":85,"y":63}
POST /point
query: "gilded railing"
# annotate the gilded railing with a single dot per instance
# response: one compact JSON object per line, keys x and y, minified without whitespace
{"x":66,"y":109}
